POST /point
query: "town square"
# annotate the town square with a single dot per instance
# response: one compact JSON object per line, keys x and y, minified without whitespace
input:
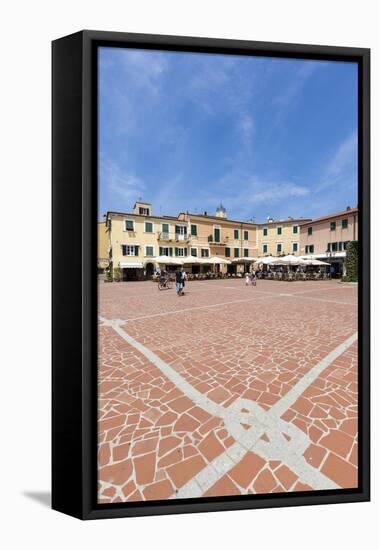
{"x":227,"y":276}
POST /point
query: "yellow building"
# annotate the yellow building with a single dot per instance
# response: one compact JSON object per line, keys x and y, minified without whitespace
{"x":102,"y":247}
{"x":133,"y":240}
{"x":216,"y":235}
{"x":279,"y":237}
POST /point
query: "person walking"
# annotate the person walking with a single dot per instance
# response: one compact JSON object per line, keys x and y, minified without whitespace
{"x":179,"y":282}
{"x":184,"y":278}
{"x":247,"y":278}
{"x":253,"y":278}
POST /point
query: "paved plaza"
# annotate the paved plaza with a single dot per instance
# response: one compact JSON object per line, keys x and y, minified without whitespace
{"x":227,"y":390}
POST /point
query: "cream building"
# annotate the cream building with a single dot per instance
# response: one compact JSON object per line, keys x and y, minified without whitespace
{"x":279,"y":237}
{"x":135,"y":240}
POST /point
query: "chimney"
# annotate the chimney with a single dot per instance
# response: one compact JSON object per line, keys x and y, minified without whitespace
{"x":348,"y":207}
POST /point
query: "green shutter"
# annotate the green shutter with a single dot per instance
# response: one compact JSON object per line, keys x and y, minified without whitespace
{"x":236,"y":234}
{"x":227,"y":252}
{"x":194,"y":230}
{"x":246,"y":235}
{"x":236,"y":252}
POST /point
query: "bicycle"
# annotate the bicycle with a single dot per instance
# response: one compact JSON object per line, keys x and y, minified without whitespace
{"x":164,"y":284}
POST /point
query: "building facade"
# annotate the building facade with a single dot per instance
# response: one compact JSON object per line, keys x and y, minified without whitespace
{"x":326,"y":238}
{"x":132,"y":241}
{"x":279,"y":237}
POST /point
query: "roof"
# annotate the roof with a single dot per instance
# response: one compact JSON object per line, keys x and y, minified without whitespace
{"x":331,"y":216}
{"x":142,"y":215}
{"x":286,"y":220}
{"x":218,"y":218}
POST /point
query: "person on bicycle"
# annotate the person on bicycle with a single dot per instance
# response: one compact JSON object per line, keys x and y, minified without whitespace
{"x":179,"y":282}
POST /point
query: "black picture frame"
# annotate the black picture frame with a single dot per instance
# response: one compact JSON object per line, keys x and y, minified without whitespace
{"x":74,"y":294}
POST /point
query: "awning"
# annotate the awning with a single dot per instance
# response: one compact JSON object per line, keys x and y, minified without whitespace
{"x":130,"y":265}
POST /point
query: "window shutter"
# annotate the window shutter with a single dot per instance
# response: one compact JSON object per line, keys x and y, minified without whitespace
{"x":170,"y":251}
{"x":136,"y":248}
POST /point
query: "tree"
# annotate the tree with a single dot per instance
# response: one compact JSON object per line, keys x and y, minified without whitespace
{"x":352,"y":260}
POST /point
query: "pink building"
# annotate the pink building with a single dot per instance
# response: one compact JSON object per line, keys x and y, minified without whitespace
{"x":326,"y":238}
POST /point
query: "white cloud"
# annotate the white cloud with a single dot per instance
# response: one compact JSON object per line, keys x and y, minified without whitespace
{"x":122,"y":187}
{"x":344,"y":157}
{"x":144,"y":71}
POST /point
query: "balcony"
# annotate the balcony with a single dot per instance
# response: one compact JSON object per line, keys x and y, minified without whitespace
{"x":164,"y":236}
{"x":222,"y":241}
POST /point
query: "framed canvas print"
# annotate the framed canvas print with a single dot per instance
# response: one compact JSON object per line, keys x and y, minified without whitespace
{"x":210,"y":274}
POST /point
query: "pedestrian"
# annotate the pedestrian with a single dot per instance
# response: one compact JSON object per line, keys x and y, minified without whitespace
{"x":184,"y":278}
{"x":247,"y":278}
{"x":253,"y":278}
{"x":179,"y":282}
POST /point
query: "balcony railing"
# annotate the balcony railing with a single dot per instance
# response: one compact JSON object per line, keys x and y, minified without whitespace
{"x":165,"y":236}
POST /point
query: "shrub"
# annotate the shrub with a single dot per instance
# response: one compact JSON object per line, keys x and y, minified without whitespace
{"x":352,"y":262}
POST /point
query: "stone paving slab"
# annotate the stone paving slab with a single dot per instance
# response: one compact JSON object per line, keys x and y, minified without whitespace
{"x":229,"y":346}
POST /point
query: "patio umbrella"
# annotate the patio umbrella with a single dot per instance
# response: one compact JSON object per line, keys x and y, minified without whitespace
{"x":168,"y":260}
{"x":217,"y":260}
{"x":290,"y":259}
{"x":315,"y":262}
{"x":192,"y":260}
{"x":265,"y":260}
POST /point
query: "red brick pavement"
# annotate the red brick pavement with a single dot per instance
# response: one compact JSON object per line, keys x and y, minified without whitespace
{"x":228,"y":341}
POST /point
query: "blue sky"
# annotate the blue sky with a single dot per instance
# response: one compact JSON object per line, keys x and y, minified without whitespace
{"x":264,"y":136}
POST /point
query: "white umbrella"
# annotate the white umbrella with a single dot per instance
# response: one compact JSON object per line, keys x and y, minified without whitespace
{"x":290,"y":259}
{"x":217,"y":260}
{"x":168,"y":260}
{"x":315,"y":262}
{"x":192,"y":260}
{"x":265,"y":260}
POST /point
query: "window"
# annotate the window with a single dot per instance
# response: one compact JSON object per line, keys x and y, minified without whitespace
{"x":246,"y":252}
{"x":279,"y":248}
{"x":217,"y":235}
{"x":340,"y":245}
{"x":149,"y":251}
{"x":278,"y":230}
{"x":246,"y":235}
{"x":227,"y":252}
{"x":180,"y":232}
{"x":265,"y":248}
{"x":345,"y":223}
{"x":148,"y":227}
{"x":345,"y":245}
{"x":236,"y":234}
{"x":165,"y":251}
{"x":204,"y":253}
{"x":265,"y":231}
{"x":129,"y":225}
{"x":328,"y":247}
{"x":165,"y":230}
{"x":310,"y":230}
{"x":332,"y":226}
{"x":193,"y":251}
{"x":236,"y":250}
{"x":194,"y":230}
{"x":295,"y":247}
{"x":180,"y":251}
{"x":334,"y":247}
{"x":309,"y":249}
{"x":144,"y":211}
{"x":129,"y":250}
{"x":295,"y":229}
